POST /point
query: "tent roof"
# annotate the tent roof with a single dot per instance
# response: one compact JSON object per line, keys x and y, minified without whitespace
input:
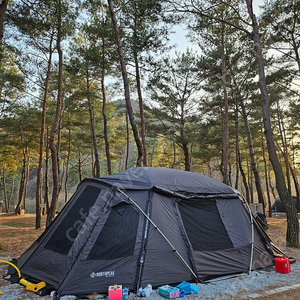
{"x":165,"y":179}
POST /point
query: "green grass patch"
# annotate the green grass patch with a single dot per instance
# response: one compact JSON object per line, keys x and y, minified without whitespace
{"x":1,"y":248}
{"x":12,"y":224}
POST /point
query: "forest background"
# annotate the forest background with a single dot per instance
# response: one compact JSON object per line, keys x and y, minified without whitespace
{"x":90,"y":87}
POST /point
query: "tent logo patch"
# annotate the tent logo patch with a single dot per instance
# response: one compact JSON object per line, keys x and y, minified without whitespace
{"x":103,"y":274}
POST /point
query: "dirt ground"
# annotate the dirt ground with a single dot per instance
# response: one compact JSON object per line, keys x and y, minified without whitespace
{"x":17,"y":233}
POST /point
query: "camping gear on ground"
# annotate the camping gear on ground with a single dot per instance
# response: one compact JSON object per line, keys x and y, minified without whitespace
{"x":143,"y":225}
{"x":187,"y":288}
{"x":145,"y":292}
{"x":168,"y":291}
{"x":115,"y":292}
{"x":282,"y":265}
{"x":34,"y":287}
{"x":125,"y":293}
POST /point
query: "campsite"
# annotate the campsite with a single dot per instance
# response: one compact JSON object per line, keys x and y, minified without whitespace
{"x":157,"y":226}
{"x":18,"y":232}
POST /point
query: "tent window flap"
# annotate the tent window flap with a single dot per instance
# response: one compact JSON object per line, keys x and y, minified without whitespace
{"x":64,"y":236}
{"x":118,"y":235}
{"x":209,"y":233}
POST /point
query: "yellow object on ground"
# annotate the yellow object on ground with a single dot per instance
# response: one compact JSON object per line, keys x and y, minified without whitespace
{"x":29,"y":286}
{"x":11,"y":264}
{"x":32,"y":286}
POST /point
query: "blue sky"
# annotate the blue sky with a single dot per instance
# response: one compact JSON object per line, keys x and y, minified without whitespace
{"x":181,"y":41}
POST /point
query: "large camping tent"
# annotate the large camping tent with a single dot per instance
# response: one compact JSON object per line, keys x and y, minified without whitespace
{"x":278,"y":207}
{"x":146,"y":225}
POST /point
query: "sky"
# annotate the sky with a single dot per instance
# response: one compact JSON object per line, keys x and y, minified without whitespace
{"x":180,"y":40}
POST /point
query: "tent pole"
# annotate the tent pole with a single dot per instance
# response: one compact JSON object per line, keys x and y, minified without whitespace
{"x":148,"y":218}
{"x":252,"y":232}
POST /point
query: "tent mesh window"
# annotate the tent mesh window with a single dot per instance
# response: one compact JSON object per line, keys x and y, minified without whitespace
{"x":118,"y":236}
{"x":208,"y":233}
{"x":62,"y":239}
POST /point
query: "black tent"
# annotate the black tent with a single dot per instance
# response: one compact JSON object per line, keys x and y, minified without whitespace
{"x":146,"y":225}
{"x":278,"y":206}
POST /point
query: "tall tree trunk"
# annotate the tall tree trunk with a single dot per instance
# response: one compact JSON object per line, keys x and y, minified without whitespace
{"x":127,"y":143}
{"x":284,"y":148}
{"x":26,"y":182}
{"x":247,"y":192}
{"x":80,"y":166}
{"x":96,"y":168}
{"x":68,"y":163}
{"x":296,"y":184}
{"x":105,"y":127}
{"x":186,"y":153}
{"x":266,"y":177}
{"x":142,"y":115}
{"x":6,"y":202}
{"x":39,"y":180}
{"x":296,"y":181}
{"x":18,"y":207}
{"x":225,"y":136}
{"x":55,"y":132}
{"x":183,"y":140}
{"x":260,"y":194}
{"x":292,"y":234}
{"x":174,"y":154}
{"x":237,"y":148}
{"x":3,"y":7}
{"x":126,"y":87}
{"x":46,"y":180}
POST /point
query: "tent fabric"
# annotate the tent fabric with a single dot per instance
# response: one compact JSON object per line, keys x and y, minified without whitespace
{"x":278,"y":207}
{"x":146,"y":225}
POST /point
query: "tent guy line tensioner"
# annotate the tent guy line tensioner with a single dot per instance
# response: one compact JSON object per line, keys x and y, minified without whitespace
{"x":35,"y":287}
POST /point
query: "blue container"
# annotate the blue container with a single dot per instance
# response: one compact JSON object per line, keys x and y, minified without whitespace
{"x":187,"y":288}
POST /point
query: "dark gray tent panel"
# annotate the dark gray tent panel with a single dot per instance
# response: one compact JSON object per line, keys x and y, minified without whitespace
{"x":146,"y":225}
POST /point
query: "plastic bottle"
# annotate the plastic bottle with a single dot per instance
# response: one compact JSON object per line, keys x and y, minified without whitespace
{"x":141,"y":292}
{"x":148,"y":290}
{"x":125,"y":293}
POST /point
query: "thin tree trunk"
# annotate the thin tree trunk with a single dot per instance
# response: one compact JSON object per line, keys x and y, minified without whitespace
{"x":5,"y":192}
{"x":247,"y":192}
{"x":237,"y":148}
{"x":284,"y":148}
{"x":26,"y":182}
{"x":105,"y":127}
{"x":186,"y":154}
{"x":296,"y":181}
{"x":55,"y":133}
{"x":142,"y":115}
{"x":266,"y":177}
{"x":39,"y":185}
{"x":292,"y":234}
{"x":127,"y":142}
{"x":18,"y":207}
{"x":96,"y":168}
{"x":80,"y":166}
{"x":67,"y":164}
{"x":174,"y":154}
{"x":225,"y":134}
{"x":46,"y":181}
{"x":3,"y":7}
{"x":126,"y":87}
{"x":260,"y":194}
{"x":296,"y":184}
